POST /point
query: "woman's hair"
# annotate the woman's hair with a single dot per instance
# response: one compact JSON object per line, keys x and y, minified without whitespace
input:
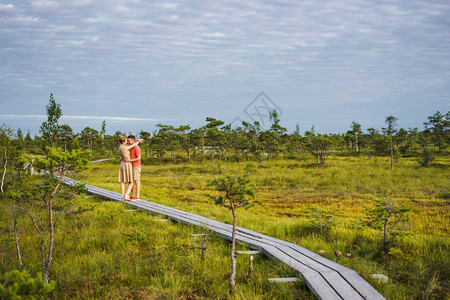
{"x":122,"y":139}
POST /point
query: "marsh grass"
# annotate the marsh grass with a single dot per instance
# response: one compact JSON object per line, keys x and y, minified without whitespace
{"x":288,"y":186}
{"x":109,"y":253}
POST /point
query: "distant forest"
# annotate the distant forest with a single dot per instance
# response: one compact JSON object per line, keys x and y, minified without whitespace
{"x":249,"y":141}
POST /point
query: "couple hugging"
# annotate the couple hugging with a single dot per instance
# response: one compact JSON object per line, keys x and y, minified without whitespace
{"x":130,"y":167}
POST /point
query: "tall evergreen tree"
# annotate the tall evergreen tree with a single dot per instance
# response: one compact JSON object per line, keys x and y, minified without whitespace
{"x":50,"y":128}
{"x":67,"y":135}
{"x":412,"y":134}
{"x":439,"y":125}
{"x":214,"y":136}
{"x":146,"y":136}
{"x":391,"y":121}
{"x":356,"y":131}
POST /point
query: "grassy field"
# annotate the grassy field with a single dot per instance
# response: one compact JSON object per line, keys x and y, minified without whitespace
{"x":112,"y":253}
{"x":418,"y":264}
{"x":108,"y":252}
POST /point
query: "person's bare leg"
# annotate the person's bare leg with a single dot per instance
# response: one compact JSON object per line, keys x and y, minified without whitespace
{"x":130,"y":186}
{"x":132,"y":192}
{"x":138,"y":188}
{"x":122,"y":188}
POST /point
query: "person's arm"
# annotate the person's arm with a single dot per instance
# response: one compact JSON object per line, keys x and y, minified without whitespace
{"x":138,"y":158}
{"x":135,"y":144}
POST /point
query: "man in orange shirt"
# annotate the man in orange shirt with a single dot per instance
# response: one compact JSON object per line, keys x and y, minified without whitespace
{"x":135,"y":159}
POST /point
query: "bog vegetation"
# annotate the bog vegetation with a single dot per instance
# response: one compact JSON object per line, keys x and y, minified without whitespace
{"x":380,"y":196}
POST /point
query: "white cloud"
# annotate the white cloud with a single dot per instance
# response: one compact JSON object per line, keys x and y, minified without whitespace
{"x":81,"y":2}
{"x":95,"y":20}
{"x":137,"y":24}
{"x":122,"y":9}
{"x":171,"y":17}
{"x":6,"y":7}
{"x":27,"y":19}
{"x":44,"y":4}
{"x":364,"y":30}
{"x":76,"y":43}
{"x":53,"y":28}
{"x":167,"y":5}
{"x":69,"y":117}
{"x":215,"y":35}
{"x":110,"y":118}
{"x":12,"y":116}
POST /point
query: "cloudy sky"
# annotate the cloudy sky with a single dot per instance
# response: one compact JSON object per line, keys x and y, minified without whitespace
{"x":137,"y":63}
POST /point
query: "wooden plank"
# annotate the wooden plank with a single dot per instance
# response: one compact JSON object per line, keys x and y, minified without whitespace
{"x":340,"y":285}
{"x":283,"y":280}
{"x":100,"y":160}
{"x":320,"y":259}
{"x":327,"y":279}
{"x":313,"y":280}
{"x":248,"y":252}
{"x":353,"y":278}
{"x":362,"y":286}
{"x":344,"y":288}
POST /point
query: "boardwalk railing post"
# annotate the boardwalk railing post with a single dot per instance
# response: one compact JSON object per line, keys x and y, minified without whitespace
{"x":250,"y":267}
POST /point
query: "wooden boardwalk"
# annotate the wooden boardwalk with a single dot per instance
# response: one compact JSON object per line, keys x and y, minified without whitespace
{"x":325,"y":278}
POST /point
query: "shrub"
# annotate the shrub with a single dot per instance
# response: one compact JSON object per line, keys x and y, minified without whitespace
{"x":18,"y":285}
{"x":427,"y":158}
{"x":322,"y":219}
{"x":390,"y":217}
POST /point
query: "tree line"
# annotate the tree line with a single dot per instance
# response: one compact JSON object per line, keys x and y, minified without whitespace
{"x":248,"y":141}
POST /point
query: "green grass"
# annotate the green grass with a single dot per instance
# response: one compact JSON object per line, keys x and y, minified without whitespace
{"x":418,"y":265}
{"x":109,"y":253}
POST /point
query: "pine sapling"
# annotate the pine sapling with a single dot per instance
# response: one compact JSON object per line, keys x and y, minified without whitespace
{"x":389,"y":216}
{"x":236,"y":193}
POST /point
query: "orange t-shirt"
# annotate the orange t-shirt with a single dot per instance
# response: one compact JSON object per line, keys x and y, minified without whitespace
{"x":134,"y":153}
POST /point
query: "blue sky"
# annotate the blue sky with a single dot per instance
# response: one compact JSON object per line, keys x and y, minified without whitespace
{"x":137,"y":63}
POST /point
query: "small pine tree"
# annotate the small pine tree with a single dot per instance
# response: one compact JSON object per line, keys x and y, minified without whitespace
{"x":237,"y":193}
{"x":389,"y":216}
{"x":391,"y":121}
{"x":322,"y":219}
{"x":427,"y":158}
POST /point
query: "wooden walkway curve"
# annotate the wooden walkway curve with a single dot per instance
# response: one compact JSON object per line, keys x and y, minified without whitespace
{"x":325,"y":278}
